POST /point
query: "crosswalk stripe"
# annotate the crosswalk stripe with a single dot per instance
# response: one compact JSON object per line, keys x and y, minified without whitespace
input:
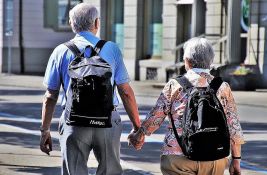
{"x":56,"y":136}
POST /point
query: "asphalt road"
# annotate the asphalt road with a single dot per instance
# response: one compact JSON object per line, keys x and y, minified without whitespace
{"x":20,"y":110}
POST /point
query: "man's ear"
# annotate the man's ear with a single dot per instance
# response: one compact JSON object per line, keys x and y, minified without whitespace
{"x":97,"y":23}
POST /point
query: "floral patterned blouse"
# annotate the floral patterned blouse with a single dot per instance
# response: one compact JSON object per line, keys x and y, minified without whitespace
{"x":172,"y":101}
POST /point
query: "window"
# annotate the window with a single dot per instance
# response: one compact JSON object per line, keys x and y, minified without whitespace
{"x":56,"y":14}
{"x":118,"y":26}
{"x":9,"y":17}
{"x":150,"y":28}
{"x":112,"y":21}
{"x":156,"y":27}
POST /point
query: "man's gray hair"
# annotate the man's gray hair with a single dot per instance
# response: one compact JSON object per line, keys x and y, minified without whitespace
{"x":199,"y":53}
{"x":82,"y":17}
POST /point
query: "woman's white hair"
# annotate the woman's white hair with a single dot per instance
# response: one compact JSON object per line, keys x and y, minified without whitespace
{"x":82,"y":17}
{"x":199,"y":53}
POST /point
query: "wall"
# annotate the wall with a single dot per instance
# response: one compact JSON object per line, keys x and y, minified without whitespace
{"x":258,"y":7}
{"x":1,"y":34}
{"x":130,"y":36}
{"x":38,"y":38}
{"x":155,"y":68}
{"x":15,"y":63}
{"x":169,"y":30}
{"x":214,"y":27}
{"x":38,"y":42}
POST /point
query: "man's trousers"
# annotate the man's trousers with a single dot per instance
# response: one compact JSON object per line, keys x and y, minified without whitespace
{"x":77,"y":142}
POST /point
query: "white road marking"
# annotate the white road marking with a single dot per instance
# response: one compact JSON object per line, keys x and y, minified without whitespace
{"x":11,"y":128}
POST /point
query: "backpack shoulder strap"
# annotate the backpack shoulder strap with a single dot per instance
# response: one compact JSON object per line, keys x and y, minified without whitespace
{"x":175,"y":132}
{"x":99,"y":45}
{"x":185,"y":83}
{"x":216,"y":83}
{"x":73,"y":48}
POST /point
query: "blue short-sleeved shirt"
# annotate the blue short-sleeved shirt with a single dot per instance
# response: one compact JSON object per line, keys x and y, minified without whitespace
{"x":56,"y":71}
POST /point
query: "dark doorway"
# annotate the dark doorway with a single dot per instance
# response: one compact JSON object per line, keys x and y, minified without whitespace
{"x":184,"y":22}
{"x":149,"y":30}
{"x":112,"y":21}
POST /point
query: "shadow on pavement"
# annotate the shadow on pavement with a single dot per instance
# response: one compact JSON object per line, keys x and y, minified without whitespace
{"x":25,"y":140}
{"x":143,"y":109}
{"x":149,"y":153}
{"x":92,"y":171}
{"x":127,"y":127}
{"x":29,"y":125}
{"x":255,"y":152}
{"x":17,"y":92}
{"x":252,"y":152}
{"x":57,"y":170}
{"x":253,"y":126}
{"x":31,"y":110}
{"x":34,"y":169}
{"x":139,"y":172}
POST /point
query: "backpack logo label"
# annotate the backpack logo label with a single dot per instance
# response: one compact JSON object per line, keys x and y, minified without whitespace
{"x":93,"y":122}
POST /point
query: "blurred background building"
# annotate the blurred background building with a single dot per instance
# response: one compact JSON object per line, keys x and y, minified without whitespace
{"x":150,"y":33}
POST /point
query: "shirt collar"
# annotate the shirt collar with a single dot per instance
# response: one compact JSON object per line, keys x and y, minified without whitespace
{"x":200,"y":70}
{"x":89,"y":36}
{"x":199,"y":77}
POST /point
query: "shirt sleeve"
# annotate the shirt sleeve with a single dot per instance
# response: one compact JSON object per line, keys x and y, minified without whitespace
{"x":227,"y":100}
{"x":120,"y":74}
{"x":52,"y":74}
{"x":159,"y":112}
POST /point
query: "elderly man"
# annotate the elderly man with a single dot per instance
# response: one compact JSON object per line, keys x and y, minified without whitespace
{"x":198,"y":56}
{"x":76,"y":142}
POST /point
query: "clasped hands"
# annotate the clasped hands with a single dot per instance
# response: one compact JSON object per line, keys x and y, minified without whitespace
{"x":136,"y":139}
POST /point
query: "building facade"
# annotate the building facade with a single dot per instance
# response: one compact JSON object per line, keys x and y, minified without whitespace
{"x":150,"y":33}
{"x":25,"y":41}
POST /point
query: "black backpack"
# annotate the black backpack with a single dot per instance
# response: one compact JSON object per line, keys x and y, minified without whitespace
{"x":205,"y":134}
{"x":90,"y":95}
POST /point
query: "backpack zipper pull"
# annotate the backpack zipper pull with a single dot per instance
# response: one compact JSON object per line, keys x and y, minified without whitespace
{"x":93,"y":84}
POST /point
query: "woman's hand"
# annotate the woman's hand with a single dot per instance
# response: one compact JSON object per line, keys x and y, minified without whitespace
{"x":234,"y":168}
{"x":136,"y":139}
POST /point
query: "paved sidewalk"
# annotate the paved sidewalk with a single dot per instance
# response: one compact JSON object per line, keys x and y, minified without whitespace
{"x":146,"y":92}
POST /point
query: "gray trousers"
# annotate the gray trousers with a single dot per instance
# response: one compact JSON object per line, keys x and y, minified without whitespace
{"x":77,"y":142}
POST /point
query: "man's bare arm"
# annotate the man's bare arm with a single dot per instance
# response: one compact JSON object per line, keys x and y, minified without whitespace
{"x":49,"y":103}
{"x":129,"y":102}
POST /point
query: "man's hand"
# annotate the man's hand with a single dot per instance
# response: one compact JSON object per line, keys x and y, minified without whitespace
{"x":136,"y":139}
{"x":46,"y":142}
{"x":49,"y":103}
{"x":234,"y":168}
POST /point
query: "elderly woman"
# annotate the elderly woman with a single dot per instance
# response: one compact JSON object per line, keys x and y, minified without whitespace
{"x":198,"y":56}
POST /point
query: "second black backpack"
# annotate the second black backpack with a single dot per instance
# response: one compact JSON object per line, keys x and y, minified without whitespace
{"x":205,"y":135}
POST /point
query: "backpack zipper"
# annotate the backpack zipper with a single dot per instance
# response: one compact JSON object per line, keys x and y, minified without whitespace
{"x":96,"y":65}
